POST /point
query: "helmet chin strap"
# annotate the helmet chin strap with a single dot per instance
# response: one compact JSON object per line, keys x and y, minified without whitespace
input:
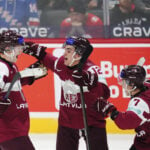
{"x":130,"y":91}
{"x":74,"y":59}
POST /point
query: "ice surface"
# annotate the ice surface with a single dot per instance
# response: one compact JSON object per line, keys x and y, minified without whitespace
{"x":115,"y":141}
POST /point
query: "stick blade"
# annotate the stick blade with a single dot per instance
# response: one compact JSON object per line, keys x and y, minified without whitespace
{"x":141,"y":61}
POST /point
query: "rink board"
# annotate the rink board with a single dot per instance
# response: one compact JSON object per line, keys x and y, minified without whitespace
{"x":49,"y":125}
{"x":44,"y":95}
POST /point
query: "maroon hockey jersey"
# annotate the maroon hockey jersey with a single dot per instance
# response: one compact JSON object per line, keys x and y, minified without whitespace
{"x":70,"y":114}
{"x":14,"y":122}
{"x":137,"y":117}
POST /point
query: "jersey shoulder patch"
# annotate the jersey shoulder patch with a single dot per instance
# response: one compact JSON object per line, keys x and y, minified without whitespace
{"x":94,"y":19}
{"x":138,"y":106}
{"x":66,"y":21}
{"x":96,"y":69}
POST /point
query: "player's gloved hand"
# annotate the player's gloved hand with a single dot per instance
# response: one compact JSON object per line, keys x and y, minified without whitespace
{"x":36,"y":70}
{"x":37,"y":64}
{"x":35,"y":50}
{"x":39,"y":70}
{"x":106,"y":108}
{"x":4,"y":103}
{"x":85,"y":78}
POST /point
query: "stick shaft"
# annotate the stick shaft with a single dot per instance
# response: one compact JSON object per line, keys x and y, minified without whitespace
{"x":15,"y":78}
{"x":84,"y":118}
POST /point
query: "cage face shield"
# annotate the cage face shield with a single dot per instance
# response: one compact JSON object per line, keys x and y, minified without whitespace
{"x":10,"y":39}
{"x":120,"y":78}
{"x":12,"y":52}
{"x":132,"y":77}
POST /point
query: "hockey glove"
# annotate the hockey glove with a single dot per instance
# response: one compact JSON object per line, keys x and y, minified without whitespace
{"x":37,"y":70}
{"x":4,"y":105}
{"x":85,"y":78}
{"x":106,"y":108}
{"x":34,"y":50}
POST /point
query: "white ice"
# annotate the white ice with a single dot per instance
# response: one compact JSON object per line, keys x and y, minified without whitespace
{"x":115,"y":141}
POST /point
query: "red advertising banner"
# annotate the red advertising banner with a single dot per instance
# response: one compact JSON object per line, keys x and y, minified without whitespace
{"x":44,"y":94}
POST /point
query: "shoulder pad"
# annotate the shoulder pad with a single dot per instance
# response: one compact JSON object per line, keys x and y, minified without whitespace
{"x":94,"y":19}
{"x":138,"y":106}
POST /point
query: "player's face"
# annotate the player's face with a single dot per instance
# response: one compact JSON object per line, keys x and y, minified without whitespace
{"x":77,"y":18}
{"x":128,"y":89}
{"x":70,"y":57}
{"x":11,"y":53}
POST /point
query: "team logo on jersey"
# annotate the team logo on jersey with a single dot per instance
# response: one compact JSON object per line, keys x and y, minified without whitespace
{"x":141,"y":133}
{"x":70,"y":91}
{"x":22,"y":106}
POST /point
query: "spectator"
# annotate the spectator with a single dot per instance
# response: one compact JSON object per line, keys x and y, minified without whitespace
{"x":80,"y":23}
{"x":70,"y":124}
{"x":52,"y":4}
{"x":61,"y":4}
{"x":126,"y":22}
{"x":94,"y":4}
{"x":14,"y":113}
{"x":18,"y":13}
{"x":137,"y":115}
{"x":142,"y":6}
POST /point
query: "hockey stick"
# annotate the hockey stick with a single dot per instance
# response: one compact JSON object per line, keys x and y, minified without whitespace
{"x":15,"y":78}
{"x":141,"y":61}
{"x":86,"y":54}
{"x":25,"y":73}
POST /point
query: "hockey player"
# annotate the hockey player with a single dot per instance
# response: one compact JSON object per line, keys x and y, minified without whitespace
{"x":70,"y":122}
{"x":137,"y":115}
{"x":14,"y":113}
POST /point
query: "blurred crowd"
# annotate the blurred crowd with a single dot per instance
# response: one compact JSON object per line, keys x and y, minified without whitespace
{"x":64,"y":18}
{"x":63,"y":4}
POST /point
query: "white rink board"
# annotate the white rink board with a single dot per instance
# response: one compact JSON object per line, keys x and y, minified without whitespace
{"x":115,"y":141}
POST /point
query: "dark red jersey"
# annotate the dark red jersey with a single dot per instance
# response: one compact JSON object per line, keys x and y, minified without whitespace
{"x":93,"y":26}
{"x":137,"y":117}
{"x":14,"y":122}
{"x":70,"y":104}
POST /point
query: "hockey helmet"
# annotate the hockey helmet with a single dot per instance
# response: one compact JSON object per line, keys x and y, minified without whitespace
{"x":134,"y":75}
{"x":10,"y":38}
{"x":81,"y":44}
